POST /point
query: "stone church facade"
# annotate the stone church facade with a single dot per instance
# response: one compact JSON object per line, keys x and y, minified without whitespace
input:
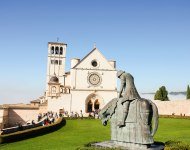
{"x":90,"y":83}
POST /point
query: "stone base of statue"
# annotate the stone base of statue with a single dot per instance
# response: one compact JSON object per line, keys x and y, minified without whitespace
{"x":128,"y":146}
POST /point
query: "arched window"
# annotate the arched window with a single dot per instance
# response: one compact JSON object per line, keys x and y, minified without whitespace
{"x":96,"y":105}
{"x":53,"y":89}
{"x":52,"y":50}
{"x":62,"y":90}
{"x":57,"y":50}
{"x":61,"y":51}
{"x":89,"y":106}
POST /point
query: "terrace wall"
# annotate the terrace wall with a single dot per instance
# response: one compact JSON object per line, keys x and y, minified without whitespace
{"x":175,"y":107}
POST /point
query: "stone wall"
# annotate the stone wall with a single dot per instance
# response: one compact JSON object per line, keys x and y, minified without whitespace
{"x":43,"y":108}
{"x":11,"y":115}
{"x":177,"y":107}
{"x":3,"y":118}
{"x":22,"y":115}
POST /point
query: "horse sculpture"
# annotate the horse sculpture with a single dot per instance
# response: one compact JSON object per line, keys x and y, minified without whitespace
{"x":133,"y":119}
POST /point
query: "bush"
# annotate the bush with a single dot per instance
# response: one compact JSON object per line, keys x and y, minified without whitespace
{"x":161,"y":94}
{"x":33,"y":132}
{"x":174,"y":116}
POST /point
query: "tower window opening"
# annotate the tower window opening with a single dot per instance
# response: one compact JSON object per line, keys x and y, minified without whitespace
{"x":56,"y":62}
{"x":61,"y":51}
{"x":57,"y":50}
{"x":52,"y":50}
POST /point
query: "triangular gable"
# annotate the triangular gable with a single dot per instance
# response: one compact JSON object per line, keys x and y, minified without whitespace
{"x":95,"y":54}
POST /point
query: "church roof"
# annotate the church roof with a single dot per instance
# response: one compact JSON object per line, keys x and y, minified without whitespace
{"x":57,"y":43}
{"x":84,"y":58}
{"x":97,"y":55}
{"x":35,"y":101}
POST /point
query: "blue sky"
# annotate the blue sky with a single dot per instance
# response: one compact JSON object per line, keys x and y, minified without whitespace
{"x":150,"y":39}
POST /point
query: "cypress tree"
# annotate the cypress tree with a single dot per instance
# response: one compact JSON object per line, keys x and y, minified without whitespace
{"x":188,"y":92}
{"x":164,"y":93}
{"x":161,"y":94}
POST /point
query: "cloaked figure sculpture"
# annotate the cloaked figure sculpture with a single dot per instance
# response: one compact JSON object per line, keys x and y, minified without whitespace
{"x":134,"y":120}
{"x":129,"y":94}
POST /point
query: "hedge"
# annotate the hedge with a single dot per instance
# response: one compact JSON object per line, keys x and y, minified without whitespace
{"x":33,"y":132}
{"x":174,"y":116}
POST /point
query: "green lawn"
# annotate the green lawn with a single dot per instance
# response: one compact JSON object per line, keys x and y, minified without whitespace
{"x":173,"y":129}
{"x":76,"y":133}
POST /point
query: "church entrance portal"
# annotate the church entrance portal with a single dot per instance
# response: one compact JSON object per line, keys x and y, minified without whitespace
{"x":93,"y":103}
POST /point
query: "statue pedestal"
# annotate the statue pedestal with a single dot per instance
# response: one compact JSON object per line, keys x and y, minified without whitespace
{"x":128,"y":146}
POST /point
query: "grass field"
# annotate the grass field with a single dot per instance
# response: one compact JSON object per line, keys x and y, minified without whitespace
{"x":76,"y":133}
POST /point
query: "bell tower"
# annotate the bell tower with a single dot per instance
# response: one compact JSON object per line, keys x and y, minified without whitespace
{"x":56,"y":62}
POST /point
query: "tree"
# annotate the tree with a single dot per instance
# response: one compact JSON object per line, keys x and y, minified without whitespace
{"x":188,"y":92}
{"x":161,"y":94}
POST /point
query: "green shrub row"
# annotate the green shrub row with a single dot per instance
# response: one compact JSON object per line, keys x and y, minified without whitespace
{"x":33,"y":132}
{"x":174,"y":116}
{"x":161,"y":116}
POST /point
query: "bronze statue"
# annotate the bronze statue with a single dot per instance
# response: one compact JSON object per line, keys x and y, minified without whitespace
{"x":134,"y":120}
{"x":130,"y":93}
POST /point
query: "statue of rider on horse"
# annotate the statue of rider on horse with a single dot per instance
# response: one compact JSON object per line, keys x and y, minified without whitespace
{"x":133,"y":119}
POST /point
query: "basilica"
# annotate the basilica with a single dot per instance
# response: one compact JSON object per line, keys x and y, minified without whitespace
{"x":89,"y":84}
